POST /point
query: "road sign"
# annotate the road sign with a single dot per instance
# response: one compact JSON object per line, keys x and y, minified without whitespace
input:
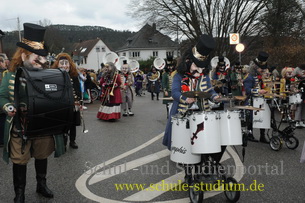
{"x":234,"y":38}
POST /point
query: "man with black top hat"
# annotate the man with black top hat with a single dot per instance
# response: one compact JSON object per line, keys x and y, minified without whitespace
{"x":254,"y":87}
{"x":192,"y":75}
{"x":127,"y":89}
{"x":30,"y":54}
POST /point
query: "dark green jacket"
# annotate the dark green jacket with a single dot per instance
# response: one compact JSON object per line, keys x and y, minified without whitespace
{"x":7,"y":99}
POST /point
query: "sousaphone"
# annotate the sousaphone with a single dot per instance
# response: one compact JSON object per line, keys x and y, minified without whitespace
{"x":215,"y":60}
{"x":134,"y":66}
{"x":112,"y":57}
{"x":159,"y":63}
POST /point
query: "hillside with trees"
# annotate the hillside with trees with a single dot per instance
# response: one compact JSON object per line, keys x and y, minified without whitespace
{"x":62,"y":37}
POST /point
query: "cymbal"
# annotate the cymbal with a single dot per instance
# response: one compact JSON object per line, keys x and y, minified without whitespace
{"x":248,"y":108}
{"x":272,"y":83}
{"x":241,"y":98}
{"x":225,"y":99}
{"x":167,"y":98}
{"x":197,"y":94}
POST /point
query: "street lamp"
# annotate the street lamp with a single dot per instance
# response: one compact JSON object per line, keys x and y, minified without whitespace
{"x":240,"y":48}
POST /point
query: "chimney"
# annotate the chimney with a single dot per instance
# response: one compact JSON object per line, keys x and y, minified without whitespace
{"x":154,"y":26}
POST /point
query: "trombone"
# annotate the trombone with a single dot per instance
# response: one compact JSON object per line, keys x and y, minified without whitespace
{"x":109,"y":92}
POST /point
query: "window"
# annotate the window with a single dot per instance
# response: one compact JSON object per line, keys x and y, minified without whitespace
{"x":124,"y":54}
{"x":155,"y":53}
{"x":97,"y":49}
{"x":136,"y":54}
{"x":169,"y":53}
{"x":103,"y":49}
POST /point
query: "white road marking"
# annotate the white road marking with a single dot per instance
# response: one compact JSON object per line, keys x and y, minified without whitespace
{"x":129,"y":166}
{"x":82,"y":180}
{"x":148,"y":195}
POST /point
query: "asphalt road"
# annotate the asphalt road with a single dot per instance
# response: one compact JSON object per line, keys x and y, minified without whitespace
{"x":130,"y":151}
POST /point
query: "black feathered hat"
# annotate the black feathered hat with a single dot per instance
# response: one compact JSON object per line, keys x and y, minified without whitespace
{"x":201,"y":51}
{"x":33,"y":39}
{"x":261,"y":60}
{"x":221,"y":61}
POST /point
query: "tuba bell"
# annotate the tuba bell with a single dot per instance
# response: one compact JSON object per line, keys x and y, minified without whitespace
{"x":159,"y":63}
{"x":134,"y":66}
{"x":112,"y":57}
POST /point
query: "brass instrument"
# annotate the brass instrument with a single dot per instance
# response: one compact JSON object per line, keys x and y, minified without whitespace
{"x":109,"y":92}
{"x":159,"y":63}
{"x":154,"y":76}
{"x":116,"y":76}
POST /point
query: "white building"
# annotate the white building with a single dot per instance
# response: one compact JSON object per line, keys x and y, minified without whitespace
{"x":90,"y":54}
{"x":146,"y":43}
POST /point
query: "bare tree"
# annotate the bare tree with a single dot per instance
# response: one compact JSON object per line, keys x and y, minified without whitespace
{"x":191,"y":18}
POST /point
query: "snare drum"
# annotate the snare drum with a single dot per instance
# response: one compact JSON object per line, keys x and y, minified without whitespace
{"x":181,"y":143}
{"x":295,"y":99}
{"x":261,"y":119}
{"x":205,"y":132}
{"x":230,"y":128}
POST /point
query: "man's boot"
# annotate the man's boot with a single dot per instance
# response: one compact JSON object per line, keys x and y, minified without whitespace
{"x":41,"y":172}
{"x":262,"y":136}
{"x":251,"y":137}
{"x":19,"y":180}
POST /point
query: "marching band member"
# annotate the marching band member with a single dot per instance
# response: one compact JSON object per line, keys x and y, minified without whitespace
{"x":254,"y":87}
{"x":287,"y":86}
{"x":111,"y":98}
{"x":220,"y":77}
{"x":3,"y":69}
{"x":127,"y":89}
{"x":153,"y":82}
{"x":300,"y":109}
{"x":138,"y":81}
{"x":192,"y":75}
{"x":64,"y":61}
{"x":30,"y":54}
{"x":236,"y":80}
{"x":167,"y":80}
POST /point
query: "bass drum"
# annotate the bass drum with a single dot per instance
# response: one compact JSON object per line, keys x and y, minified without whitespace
{"x":44,"y":99}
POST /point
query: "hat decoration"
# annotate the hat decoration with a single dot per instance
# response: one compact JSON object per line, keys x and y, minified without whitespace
{"x":261,"y":60}
{"x":33,"y":39}
{"x":202,"y":50}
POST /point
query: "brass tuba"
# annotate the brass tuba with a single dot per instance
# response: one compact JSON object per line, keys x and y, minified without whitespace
{"x":159,"y":63}
{"x":134,"y":66}
{"x":154,"y":76}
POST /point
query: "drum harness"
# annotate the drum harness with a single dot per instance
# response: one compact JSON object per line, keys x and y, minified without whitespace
{"x":21,"y":123}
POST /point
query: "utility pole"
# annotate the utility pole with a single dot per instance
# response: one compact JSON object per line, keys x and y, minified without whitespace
{"x":18,"y":25}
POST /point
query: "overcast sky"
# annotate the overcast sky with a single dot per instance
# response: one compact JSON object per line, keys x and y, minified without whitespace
{"x":106,"y":13}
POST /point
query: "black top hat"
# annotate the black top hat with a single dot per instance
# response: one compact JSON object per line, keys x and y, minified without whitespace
{"x":33,"y":39}
{"x":169,"y":60}
{"x":261,"y":60}
{"x":201,"y":51}
{"x":221,"y":61}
